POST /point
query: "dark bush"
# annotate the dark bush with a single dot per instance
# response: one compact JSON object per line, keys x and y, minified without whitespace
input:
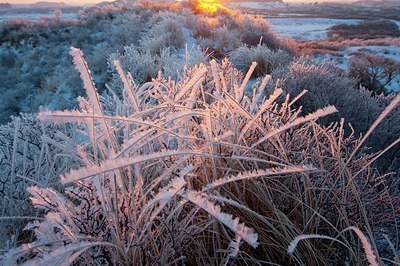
{"x":367,"y":29}
{"x":374,"y":72}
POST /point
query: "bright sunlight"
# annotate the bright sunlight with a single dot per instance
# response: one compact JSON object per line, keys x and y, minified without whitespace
{"x":209,"y":5}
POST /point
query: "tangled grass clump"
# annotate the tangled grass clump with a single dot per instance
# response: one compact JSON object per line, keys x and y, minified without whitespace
{"x":205,"y":171}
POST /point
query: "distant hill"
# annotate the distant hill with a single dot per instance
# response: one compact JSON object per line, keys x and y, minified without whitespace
{"x":261,"y":1}
{"x":105,"y":3}
{"x":44,"y":4}
{"x":5,"y":5}
{"x":378,"y":3}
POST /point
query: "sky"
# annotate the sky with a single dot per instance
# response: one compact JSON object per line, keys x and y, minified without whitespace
{"x":96,"y":1}
{"x":65,"y":1}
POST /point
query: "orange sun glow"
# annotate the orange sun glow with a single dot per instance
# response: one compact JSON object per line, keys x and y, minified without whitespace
{"x":209,"y":5}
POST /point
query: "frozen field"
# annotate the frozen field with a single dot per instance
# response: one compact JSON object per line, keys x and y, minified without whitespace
{"x":306,"y":28}
{"x":33,"y":15}
{"x":254,"y":5}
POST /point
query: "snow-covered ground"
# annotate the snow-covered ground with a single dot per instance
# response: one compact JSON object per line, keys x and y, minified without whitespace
{"x":33,"y":15}
{"x":342,"y":58}
{"x":306,"y":28}
{"x":316,"y":29}
{"x":254,"y":5}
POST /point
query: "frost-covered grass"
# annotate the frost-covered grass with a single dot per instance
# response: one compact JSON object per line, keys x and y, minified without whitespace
{"x":173,"y":155}
{"x":198,"y":171}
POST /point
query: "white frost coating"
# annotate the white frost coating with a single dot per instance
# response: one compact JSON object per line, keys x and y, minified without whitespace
{"x":240,"y":92}
{"x":166,"y":194}
{"x":234,"y":246}
{"x":246,"y":233}
{"x":259,"y":173}
{"x":177,"y":184}
{"x":38,"y":200}
{"x":369,"y":253}
{"x":189,"y":113}
{"x":301,"y":94}
{"x":264,"y":106}
{"x":264,"y":82}
{"x":214,"y":71}
{"x":318,"y":114}
{"x":114,"y":164}
{"x":258,"y":92}
{"x":366,"y":245}
{"x":193,"y":82}
{"x":127,"y":85}
{"x":272,"y":98}
{"x":382,"y":116}
{"x":292,"y":246}
{"x":127,"y":145}
{"x":88,"y":83}
{"x":60,"y":117}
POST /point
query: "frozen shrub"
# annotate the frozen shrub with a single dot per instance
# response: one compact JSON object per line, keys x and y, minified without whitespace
{"x":98,"y":12}
{"x":332,"y":46}
{"x":367,"y":29}
{"x":152,"y":7}
{"x":139,"y":63}
{"x":126,"y":28}
{"x":223,"y":40}
{"x":200,"y":26}
{"x":225,"y":32}
{"x":9,"y":59}
{"x":197,"y":171}
{"x":143,"y":66}
{"x":388,"y":130}
{"x":255,"y":30}
{"x":267,"y":60}
{"x":31,"y":153}
{"x":19,"y":31}
{"x":165,"y":31}
{"x":374,"y":72}
{"x":327,"y":84}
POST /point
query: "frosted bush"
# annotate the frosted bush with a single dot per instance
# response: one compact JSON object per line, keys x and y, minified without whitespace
{"x":222,"y":41}
{"x":201,"y":26}
{"x":267,"y":60}
{"x":165,"y":31}
{"x":328,"y":84}
{"x":139,"y":63}
{"x":253,"y":30}
{"x":374,"y":72}
{"x":143,"y":66}
{"x":31,"y":153}
{"x":325,"y":83}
